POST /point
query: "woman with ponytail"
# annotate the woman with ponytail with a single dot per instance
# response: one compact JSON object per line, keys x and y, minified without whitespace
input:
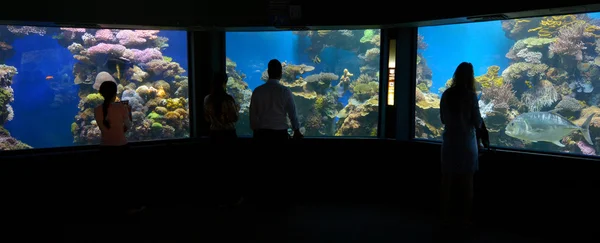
{"x":221,"y":111}
{"x":113,"y":118}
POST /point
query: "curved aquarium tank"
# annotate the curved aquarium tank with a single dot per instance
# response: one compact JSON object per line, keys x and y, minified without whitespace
{"x":538,"y":80}
{"x":333,"y":74}
{"x":48,"y":90}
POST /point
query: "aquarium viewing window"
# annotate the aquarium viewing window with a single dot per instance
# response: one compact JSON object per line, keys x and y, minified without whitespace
{"x":538,"y":80}
{"x":48,"y":86}
{"x":333,"y":74}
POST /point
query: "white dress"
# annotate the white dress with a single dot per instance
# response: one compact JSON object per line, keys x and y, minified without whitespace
{"x":460,"y":150}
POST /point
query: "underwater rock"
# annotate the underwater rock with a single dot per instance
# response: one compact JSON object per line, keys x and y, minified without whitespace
{"x":135,"y":73}
{"x":568,"y":106}
{"x":361,"y":120}
{"x":517,"y":29}
{"x":9,"y":143}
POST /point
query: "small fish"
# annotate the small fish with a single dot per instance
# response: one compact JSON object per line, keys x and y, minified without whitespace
{"x":49,"y":77}
{"x":316,"y":59}
{"x":547,"y":127}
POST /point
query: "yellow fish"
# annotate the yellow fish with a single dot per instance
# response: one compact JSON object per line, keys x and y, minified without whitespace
{"x":316,"y":59}
{"x":118,"y":71}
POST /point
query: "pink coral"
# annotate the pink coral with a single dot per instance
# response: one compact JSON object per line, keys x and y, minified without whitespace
{"x":137,"y":37}
{"x":26,"y":30}
{"x":105,"y":35}
{"x":586,"y":149}
{"x":146,"y":55}
{"x":147,"y":34}
{"x":103,"y":48}
{"x":569,"y":41}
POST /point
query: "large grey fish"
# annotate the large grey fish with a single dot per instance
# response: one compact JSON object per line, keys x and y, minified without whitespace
{"x":547,"y":127}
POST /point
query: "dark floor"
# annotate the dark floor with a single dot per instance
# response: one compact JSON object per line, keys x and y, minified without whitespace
{"x":301,"y":223}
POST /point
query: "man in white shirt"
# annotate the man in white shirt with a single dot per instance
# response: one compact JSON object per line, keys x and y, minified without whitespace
{"x":270,"y":107}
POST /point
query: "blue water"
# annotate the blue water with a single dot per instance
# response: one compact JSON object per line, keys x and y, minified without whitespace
{"x":177,"y":49}
{"x":482,"y":44}
{"x":36,"y":122}
{"x":253,"y":50}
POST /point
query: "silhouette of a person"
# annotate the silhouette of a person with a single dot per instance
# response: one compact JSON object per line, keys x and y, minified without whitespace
{"x":221,"y":111}
{"x":270,"y":107}
{"x":459,"y":112}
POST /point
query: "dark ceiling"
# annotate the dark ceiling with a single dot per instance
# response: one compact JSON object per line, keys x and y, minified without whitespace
{"x":185,"y":13}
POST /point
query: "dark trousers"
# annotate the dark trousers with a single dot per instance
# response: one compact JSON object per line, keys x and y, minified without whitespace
{"x":269,"y":135}
{"x":222,"y":136}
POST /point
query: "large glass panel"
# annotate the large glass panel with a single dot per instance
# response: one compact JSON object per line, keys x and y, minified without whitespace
{"x":334,"y":75}
{"x":538,"y":80}
{"x":48,"y":88}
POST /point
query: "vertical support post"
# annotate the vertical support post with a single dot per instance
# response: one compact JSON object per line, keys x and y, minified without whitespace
{"x":208,"y":57}
{"x":406,"y":51}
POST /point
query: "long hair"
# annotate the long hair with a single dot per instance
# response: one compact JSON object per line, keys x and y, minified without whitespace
{"x":108,"y":90}
{"x":464,"y":77}
{"x":218,"y":94}
{"x":463,"y":85}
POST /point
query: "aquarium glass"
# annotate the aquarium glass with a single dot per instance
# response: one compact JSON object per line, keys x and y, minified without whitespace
{"x":48,"y":88}
{"x":538,"y":80}
{"x":333,"y":74}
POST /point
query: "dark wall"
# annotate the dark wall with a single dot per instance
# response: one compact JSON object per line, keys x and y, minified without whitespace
{"x":255,"y":13}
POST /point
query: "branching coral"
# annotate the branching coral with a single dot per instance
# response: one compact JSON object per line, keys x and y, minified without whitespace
{"x":502,"y":96}
{"x":569,"y":40}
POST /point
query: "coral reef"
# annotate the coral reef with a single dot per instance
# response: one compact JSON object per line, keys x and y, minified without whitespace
{"x":152,"y":83}
{"x":238,"y":88}
{"x":6,"y":112}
